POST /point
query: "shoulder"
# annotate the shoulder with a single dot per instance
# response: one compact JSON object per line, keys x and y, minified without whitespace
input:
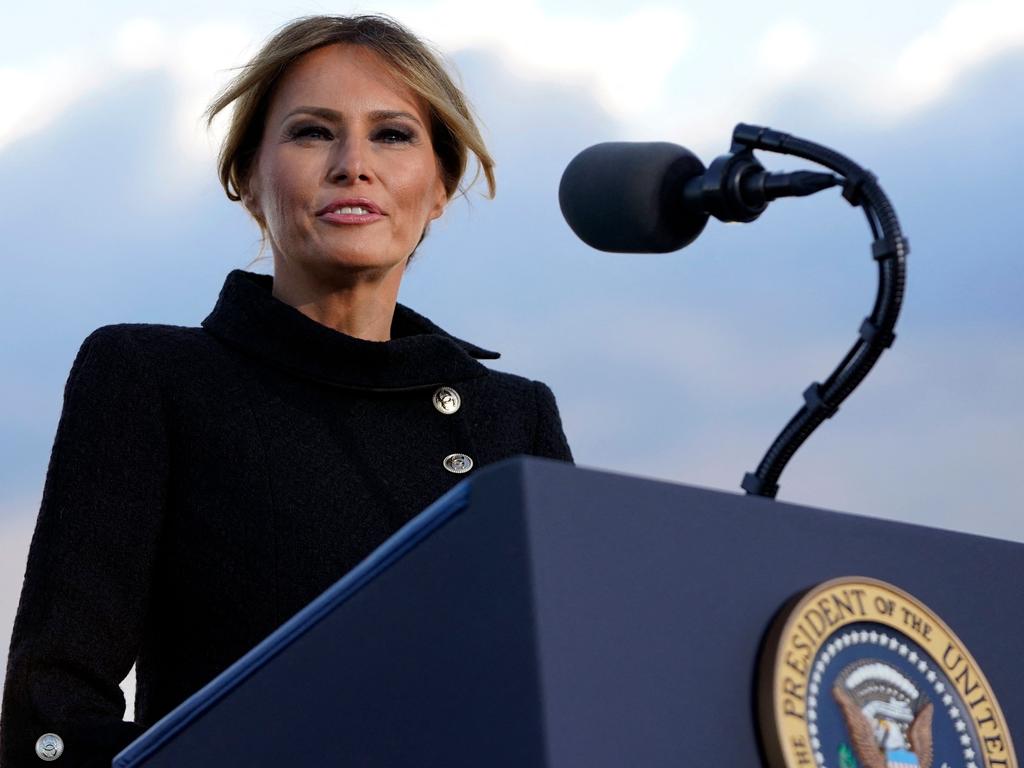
{"x":145,"y":337}
{"x":147,"y":345}
{"x":535,"y":403}
{"x":139,"y":358}
{"x":517,"y":388}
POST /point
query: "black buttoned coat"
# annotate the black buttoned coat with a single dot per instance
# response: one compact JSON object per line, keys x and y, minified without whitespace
{"x":206,"y":483}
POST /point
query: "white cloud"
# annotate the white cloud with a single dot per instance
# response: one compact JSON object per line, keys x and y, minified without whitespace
{"x":140,"y":44}
{"x":786,"y":51}
{"x":970,"y":33}
{"x":631,"y":62}
{"x":198,"y":59}
{"x":878,"y":88}
{"x":625,"y":60}
{"x":33,"y":97}
{"x":201,"y":63}
{"x":850,"y":81}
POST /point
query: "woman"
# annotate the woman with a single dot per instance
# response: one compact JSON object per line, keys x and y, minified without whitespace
{"x":206,"y":483}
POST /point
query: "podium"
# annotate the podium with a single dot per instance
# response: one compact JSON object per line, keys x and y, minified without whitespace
{"x":540,"y":614}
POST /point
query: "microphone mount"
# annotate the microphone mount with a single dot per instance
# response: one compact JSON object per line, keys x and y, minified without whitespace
{"x":889,"y":249}
{"x":737,"y":188}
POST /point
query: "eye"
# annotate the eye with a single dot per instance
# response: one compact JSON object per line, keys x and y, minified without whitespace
{"x":310,"y":131}
{"x":393,"y":135}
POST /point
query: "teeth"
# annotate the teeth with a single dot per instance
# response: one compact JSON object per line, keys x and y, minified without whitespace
{"x":357,"y":209}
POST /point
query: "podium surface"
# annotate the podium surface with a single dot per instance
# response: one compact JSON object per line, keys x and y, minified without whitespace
{"x":545,"y":615}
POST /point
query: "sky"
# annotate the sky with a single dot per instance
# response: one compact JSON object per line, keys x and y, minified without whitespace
{"x":680,"y":367}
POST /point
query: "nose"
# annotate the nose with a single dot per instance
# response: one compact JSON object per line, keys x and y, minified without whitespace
{"x":348,"y":162}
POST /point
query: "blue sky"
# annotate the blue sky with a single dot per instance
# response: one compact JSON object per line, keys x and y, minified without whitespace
{"x":679,"y":366}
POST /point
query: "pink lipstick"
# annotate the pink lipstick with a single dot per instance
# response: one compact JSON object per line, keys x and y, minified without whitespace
{"x":351,"y":210}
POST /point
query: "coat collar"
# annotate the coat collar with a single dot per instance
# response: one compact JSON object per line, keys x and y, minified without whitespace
{"x":419,"y":353}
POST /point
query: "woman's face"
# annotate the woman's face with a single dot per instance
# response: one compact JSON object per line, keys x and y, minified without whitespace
{"x":345,"y":177}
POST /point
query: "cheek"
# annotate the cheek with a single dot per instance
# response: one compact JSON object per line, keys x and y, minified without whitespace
{"x":286,"y":193}
{"x":418,"y":192}
{"x":285,"y":176}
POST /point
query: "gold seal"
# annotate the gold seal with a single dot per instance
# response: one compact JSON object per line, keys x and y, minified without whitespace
{"x":859,"y":673}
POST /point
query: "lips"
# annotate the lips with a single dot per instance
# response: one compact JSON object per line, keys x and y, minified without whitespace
{"x":370,"y":207}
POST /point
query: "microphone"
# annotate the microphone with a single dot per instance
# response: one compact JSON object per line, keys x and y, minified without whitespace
{"x":656,"y":197}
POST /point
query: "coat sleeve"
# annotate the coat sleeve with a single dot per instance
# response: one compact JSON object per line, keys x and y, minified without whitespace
{"x":548,"y":437}
{"x":90,"y":564}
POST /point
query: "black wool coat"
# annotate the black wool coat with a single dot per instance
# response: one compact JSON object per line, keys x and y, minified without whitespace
{"x":206,"y":483}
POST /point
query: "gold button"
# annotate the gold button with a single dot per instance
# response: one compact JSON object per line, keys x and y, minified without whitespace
{"x":447,"y":400}
{"x":458,"y":463}
{"x":49,"y":747}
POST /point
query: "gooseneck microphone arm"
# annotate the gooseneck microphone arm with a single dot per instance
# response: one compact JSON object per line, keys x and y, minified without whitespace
{"x":889,"y":249}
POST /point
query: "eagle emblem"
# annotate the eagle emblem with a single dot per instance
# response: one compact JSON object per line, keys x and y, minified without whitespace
{"x":857,"y":673}
{"x":888,"y":719}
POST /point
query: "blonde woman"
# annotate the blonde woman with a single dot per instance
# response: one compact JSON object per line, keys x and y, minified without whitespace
{"x":208,"y":482}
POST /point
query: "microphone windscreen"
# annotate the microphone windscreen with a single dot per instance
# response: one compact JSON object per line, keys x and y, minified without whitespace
{"x":627,"y":197}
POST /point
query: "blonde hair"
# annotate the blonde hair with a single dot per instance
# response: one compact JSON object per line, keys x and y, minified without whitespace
{"x":453,"y":128}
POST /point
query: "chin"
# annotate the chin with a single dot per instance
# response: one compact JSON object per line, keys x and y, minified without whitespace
{"x":361,"y":261}
{"x":361,"y":255}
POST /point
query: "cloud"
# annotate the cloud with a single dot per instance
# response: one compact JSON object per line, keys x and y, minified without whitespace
{"x":198,"y":59}
{"x":877,"y":87}
{"x":846,"y":76}
{"x":970,"y":34}
{"x":645,"y":66}
{"x":786,"y":51}
{"x":140,"y":44}
{"x":33,"y":97}
{"x":624,"y":59}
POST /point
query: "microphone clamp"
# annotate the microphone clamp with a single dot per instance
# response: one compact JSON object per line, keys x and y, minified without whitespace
{"x":737,"y":188}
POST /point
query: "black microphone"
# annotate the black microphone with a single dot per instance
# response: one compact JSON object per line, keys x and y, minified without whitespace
{"x":638,"y":197}
{"x":654,"y":198}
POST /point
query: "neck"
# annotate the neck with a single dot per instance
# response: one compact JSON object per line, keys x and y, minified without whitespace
{"x":356,"y":306}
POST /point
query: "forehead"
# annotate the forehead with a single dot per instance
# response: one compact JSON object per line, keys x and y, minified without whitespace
{"x":348,"y":78}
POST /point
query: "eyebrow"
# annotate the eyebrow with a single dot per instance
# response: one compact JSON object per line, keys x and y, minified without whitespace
{"x":378,"y":115}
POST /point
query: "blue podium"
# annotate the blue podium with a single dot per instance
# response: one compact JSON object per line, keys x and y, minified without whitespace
{"x":541,"y":614}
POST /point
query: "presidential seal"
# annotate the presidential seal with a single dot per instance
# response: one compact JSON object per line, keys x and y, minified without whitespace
{"x":859,"y":674}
